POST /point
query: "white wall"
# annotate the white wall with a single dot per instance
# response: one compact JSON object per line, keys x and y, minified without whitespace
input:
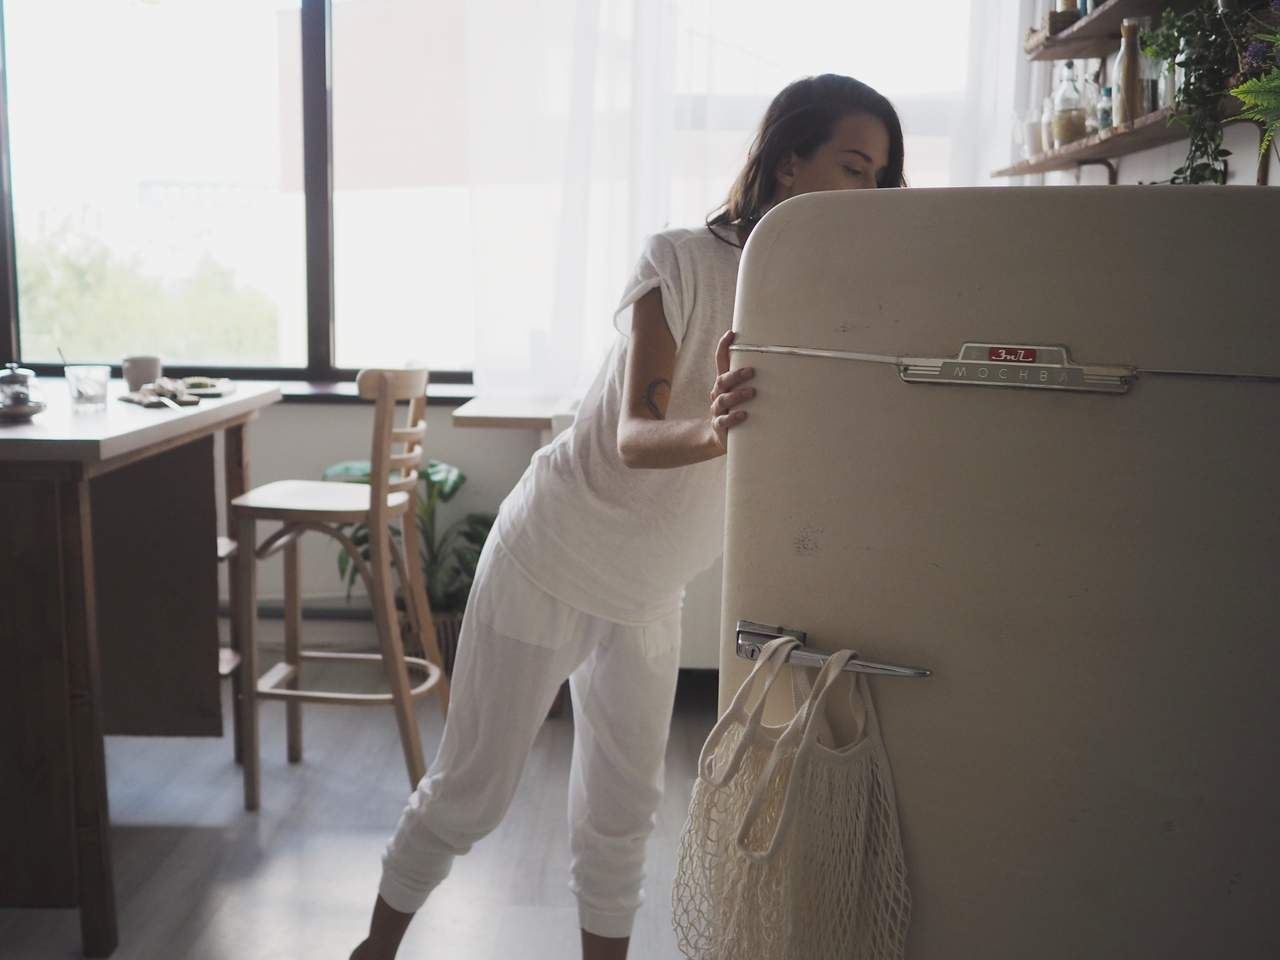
{"x":1159,"y":163}
{"x":298,"y":440}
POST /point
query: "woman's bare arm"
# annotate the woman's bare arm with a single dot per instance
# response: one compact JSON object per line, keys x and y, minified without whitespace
{"x":646,"y":438}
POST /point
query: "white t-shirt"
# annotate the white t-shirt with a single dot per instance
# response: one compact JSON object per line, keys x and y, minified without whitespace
{"x":613,"y":541}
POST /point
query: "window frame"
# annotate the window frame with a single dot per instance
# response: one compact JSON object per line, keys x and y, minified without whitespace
{"x":317,"y":162}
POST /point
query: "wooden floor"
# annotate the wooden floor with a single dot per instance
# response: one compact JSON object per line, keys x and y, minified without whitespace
{"x":197,"y":878}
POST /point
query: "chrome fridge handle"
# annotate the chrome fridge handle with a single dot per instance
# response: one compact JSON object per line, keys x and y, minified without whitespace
{"x":752,"y":636}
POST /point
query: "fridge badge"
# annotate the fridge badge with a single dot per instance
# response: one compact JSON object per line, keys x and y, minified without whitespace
{"x":1005,"y":365}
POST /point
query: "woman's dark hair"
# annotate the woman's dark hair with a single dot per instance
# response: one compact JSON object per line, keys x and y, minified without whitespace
{"x":800,"y":119}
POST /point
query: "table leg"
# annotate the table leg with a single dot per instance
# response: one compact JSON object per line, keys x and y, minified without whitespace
{"x":236,"y":457}
{"x":96,"y":885}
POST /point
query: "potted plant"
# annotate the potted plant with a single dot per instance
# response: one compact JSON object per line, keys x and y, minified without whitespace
{"x":1220,"y":52}
{"x":1260,"y":92}
{"x":449,"y":556}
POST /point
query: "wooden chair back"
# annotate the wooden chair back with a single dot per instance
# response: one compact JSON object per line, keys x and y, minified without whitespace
{"x":396,"y":452}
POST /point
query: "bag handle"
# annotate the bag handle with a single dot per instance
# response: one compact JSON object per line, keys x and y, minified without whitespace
{"x":802,"y":728}
{"x":772,"y":657}
{"x":859,"y":704}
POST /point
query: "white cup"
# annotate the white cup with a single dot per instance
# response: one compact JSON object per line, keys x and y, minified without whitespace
{"x":140,"y":370}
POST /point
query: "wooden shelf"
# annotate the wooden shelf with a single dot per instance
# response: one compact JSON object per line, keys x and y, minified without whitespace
{"x":1153,"y":130}
{"x":1097,"y":34}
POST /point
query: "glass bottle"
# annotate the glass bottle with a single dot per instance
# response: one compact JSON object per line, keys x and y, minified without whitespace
{"x":1046,"y":125}
{"x":1068,"y":109}
{"x":1170,"y":81}
{"x":1034,"y":144}
{"x":1125,"y":106}
{"x":1150,"y":76}
{"x":1090,"y":92}
{"x":1026,"y":133}
{"x":1105,"y":110}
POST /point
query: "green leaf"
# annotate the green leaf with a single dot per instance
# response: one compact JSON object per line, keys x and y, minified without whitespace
{"x":444,"y":478}
{"x":1261,"y":97}
{"x":348,"y":471}
{"x":448,"y":563}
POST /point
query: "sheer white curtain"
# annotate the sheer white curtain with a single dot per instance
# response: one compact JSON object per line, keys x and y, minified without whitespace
{"x":569,"y":169}
{"x":1004,"y":88}
{"x":998,"y":91}
{"x":592,"y":123}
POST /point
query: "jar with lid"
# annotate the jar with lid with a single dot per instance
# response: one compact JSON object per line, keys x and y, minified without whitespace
{"x":1068,"y":109}
{"x":20,"y":397}
{"x":1105,"y":109}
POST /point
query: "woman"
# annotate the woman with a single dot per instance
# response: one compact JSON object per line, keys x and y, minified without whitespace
{"x":584,"y":574}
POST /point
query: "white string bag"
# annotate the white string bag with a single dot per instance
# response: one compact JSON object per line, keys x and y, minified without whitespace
{"x":792,"y":849}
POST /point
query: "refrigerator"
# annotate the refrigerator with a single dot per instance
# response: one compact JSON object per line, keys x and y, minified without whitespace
{"x":1026,"y":440}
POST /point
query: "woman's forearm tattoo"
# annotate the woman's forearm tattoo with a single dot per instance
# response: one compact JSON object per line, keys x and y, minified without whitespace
{"x":651,"y":396}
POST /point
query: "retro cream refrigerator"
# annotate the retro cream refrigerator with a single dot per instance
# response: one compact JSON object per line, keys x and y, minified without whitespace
{"x":1029,"y":440}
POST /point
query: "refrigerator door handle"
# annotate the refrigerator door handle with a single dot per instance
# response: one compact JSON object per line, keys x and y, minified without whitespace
{"x":752,"y":636}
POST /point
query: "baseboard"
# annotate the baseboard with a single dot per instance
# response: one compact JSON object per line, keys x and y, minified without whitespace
{"x":331,"y":608}
{"x":336,"y":607}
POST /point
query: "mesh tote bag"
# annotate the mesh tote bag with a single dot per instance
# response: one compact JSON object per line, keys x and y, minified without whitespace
{"x":792,"y":848}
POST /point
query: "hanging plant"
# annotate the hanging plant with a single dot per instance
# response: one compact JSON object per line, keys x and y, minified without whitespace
{"x":1209,"y":45}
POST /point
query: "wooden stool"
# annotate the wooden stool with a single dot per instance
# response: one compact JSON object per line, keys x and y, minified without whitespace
{"x":326,"y":507}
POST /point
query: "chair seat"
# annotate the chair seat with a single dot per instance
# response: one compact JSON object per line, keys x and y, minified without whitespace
{"x":321,"y":500}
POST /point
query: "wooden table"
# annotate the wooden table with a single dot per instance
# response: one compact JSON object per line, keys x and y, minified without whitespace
{"x":108,"y":621}
{"x":548,"y":415}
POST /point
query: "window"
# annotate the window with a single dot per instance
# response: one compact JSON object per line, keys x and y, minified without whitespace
{"x":733,"y":56}
{"x":461,"y":184}
{"x":401,"y":204}
{"x":158,"y":204}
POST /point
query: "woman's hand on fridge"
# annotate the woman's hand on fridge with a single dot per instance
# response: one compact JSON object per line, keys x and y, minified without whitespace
{"x":728,"y":394}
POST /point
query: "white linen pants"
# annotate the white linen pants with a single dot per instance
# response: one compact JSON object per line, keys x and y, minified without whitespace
{"x":517,"y":646}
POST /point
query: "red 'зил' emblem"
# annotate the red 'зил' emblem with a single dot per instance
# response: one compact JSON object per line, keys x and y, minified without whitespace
{"x":1011,"y":355}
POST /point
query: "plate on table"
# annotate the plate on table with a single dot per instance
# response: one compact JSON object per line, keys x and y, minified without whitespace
{"x":153,"y":401}
{"x":17,"y":412}
{"x":208,"y":386}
